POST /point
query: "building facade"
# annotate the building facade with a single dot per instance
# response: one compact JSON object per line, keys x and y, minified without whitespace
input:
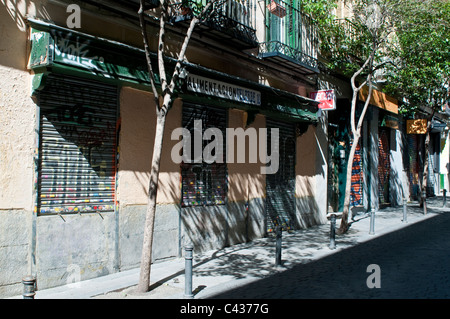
{"x":389,"y":161}
{"x":78,"y":121}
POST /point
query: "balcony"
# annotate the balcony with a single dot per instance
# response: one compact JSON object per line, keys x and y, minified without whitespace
{"x":230,"y":21}
{"x":349,"y":37}
{"x":291,"y":37}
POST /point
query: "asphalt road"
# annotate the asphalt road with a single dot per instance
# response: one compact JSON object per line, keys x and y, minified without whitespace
{"x":414,"y":262}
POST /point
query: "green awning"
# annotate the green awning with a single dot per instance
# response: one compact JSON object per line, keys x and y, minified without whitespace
{"x":59,"y":50}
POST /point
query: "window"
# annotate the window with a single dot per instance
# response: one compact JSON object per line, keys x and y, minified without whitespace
{"x":286,"y":28}
{"x":290,"y":32}
{"x":203,"y":183}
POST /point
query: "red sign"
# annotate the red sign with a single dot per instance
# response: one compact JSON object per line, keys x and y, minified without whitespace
{"x":326,"y":98}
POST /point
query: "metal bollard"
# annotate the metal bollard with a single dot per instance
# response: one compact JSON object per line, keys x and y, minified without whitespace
{"x":279,"y":237}
{"x":188,"y":272}
{"x":372,"y":222}
{"x":424,"y":198}
{"x":405,"y":207}
{"x":444,"y":197}
{"x":333,"y":231}
{"x":29,"y":287}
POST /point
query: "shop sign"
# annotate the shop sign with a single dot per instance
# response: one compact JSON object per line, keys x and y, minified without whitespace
{"x":418,"y":126}
{"x":41,"y":55}
{"x":379,"y":99}
{"x":211,"y":87}
{"x":80,"y":52}
{"x":327,"y":99}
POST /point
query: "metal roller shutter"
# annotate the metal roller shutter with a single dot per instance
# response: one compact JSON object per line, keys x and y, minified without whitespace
{"x":356,"y":191}
{"x":203,"y":183}
{"x":77,"y":154}
{"x":280,"y":187}
{"x":384,"y":166}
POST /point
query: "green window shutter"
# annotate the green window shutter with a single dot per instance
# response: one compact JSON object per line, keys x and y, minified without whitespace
{"x":291,"y":31}
{"x":274,"y":28}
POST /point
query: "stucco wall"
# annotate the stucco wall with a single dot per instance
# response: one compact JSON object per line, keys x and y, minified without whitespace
{"x":17,"y":144}
{"x":396,"y":185}
{"x":14,"y":250}
{"x":246,"y":186}
{"x":18,"y":118}
{"x":310,"y":170}
{"x":138,"y":121}
{"x":75,"y":247}
{"x":137,"y":132}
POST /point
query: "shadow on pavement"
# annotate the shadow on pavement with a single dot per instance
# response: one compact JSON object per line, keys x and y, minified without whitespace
{"x":413,"y":263}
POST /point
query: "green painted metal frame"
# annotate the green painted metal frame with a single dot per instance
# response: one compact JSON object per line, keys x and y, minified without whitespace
{"x":65,"y":51}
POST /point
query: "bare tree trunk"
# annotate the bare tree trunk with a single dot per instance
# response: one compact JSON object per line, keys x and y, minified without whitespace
{"x":146,"y":258}
{"x":356,"y":131}
{"x":168,"y":89}
{"x":356,"y":136}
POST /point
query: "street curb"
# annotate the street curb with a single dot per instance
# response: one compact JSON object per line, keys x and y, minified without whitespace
{"x":209,"y":267}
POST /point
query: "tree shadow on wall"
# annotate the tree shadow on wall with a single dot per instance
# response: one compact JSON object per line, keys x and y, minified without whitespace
{"x":12,"y":14}
{"x":19,"y":9}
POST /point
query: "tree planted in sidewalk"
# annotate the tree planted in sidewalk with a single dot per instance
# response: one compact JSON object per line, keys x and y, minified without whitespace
{"x":163,"y":97}
{"x":356,"y":47}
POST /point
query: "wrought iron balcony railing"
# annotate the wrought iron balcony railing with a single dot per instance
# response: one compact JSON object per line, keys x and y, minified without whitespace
{"x":291,"y":36}
{"x":286,"y":52}
{"x":230,"y":20}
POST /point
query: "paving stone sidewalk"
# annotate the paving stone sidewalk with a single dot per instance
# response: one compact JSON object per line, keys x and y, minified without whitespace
{"x":218,"y":271}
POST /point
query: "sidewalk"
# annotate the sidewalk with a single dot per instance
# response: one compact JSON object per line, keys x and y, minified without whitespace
{"x":221,"y":270}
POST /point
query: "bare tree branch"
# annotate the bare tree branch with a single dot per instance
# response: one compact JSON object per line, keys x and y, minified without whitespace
{"x":147,"y":52}
{"x":162,"y":109}
{"x":161,"y":47}
{"x":170,"y":89}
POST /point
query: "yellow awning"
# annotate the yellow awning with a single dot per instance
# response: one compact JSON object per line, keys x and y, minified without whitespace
{"x":380,"y":100}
